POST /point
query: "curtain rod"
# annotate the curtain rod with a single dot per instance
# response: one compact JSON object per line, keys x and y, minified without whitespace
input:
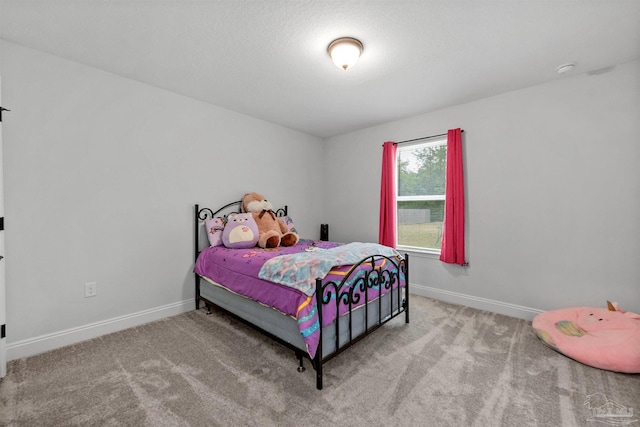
{"x":424,"y":137}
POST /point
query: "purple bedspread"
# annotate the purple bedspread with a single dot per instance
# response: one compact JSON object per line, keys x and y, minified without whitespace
{"x":238,"y":270}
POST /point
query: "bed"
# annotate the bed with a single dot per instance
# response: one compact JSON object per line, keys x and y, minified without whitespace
{"x":317,"y":297}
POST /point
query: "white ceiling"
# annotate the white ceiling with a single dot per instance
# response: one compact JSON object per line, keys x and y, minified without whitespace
{"x":268,"y":59}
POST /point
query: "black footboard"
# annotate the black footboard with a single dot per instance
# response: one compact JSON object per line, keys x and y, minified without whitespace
{"x":379,"y":286}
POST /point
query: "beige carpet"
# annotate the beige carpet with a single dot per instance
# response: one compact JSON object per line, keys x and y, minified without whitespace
{"x":451,"y":366}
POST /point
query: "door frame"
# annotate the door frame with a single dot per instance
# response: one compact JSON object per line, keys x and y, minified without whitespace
{"x":3,"y":306}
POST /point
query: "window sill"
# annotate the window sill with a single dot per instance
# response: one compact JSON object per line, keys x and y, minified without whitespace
{"x":423,"y":253}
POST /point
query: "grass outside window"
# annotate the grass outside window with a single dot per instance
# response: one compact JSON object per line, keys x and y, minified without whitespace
{"x":422,"y":235}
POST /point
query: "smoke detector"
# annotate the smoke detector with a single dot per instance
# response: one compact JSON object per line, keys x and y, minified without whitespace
{"x":565,"y":68}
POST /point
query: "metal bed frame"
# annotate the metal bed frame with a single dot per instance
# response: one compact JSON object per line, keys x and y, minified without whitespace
{"x":363,"y":280}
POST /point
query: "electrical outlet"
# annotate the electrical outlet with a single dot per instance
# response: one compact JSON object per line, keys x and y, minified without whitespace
{"x":90,"y":289}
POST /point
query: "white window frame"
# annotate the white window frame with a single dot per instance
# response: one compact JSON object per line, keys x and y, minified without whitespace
{"x":434,"y":142}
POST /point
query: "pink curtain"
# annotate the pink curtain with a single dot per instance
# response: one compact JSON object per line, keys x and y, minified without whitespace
{"x":387,"y":230}
{"x":453,"y":230}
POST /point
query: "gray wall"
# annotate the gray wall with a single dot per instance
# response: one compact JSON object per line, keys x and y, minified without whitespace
{"x":552,"y":187}
{"x":101,"y":174}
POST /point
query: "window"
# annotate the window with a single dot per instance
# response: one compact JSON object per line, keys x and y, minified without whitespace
{"x":421,"y":171}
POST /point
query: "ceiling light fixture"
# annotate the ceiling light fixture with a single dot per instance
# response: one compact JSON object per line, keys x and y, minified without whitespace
{"x":345,"y":52}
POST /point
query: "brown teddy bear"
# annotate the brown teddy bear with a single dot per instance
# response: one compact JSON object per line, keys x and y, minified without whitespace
{"x":272,"y":231}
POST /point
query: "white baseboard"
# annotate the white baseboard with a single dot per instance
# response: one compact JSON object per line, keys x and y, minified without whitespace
{"x":43,"y":343}
{"x":513,"y":310}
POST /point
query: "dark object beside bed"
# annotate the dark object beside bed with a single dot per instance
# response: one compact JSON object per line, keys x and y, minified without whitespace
{"x":374,"y":289}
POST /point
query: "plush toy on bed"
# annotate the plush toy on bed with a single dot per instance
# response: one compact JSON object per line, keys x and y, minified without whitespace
{"x":600,"y":337}
{"x":241,"y":231}
{"x":272,"y":231}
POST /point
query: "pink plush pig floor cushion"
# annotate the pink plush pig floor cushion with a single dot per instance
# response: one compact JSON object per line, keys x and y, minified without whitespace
{"x":603,"y":338}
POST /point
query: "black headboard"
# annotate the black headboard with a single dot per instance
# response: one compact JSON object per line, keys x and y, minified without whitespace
{"x":203,"y":214}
